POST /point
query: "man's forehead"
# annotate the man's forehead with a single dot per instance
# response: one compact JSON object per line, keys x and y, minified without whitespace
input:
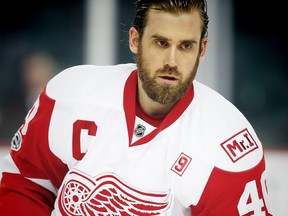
{"x":191,"y":17}
{"x":185,"y":24}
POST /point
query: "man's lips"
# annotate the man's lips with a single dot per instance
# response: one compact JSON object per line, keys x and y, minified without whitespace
{"x":170,"y":78}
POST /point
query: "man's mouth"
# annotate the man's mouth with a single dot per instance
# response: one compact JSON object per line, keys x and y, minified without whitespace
{"x":170,"y":78}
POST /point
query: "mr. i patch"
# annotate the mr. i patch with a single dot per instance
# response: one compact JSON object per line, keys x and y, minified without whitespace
{"x":239,"y":145}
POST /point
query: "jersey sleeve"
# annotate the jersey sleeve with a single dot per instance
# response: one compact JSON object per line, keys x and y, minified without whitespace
{"x":32,"y":174}
{"x":20,"y":196}
{"x":229,"y":160}
{"x":228,"y":193}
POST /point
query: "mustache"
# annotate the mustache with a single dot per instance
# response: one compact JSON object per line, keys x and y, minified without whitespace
{"x":168,"y":70}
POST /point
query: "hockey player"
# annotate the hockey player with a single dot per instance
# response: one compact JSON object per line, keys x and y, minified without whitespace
{"x":138,"y":139}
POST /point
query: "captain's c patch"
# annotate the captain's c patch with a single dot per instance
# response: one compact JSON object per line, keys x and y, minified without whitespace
{"x":239,"y":145}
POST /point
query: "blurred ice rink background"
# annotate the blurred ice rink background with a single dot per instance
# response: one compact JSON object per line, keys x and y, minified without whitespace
{"x":245,"y":62}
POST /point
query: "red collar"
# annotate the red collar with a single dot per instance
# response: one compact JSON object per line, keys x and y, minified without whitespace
{"x":130,"y":96}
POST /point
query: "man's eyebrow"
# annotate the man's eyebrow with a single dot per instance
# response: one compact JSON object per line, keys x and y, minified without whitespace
{"x":160,"y":37}
{"x":157,"y":36}
{"x":188,"y":41}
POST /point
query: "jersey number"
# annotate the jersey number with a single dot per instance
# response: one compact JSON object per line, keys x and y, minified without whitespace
{"x":250,"y":200}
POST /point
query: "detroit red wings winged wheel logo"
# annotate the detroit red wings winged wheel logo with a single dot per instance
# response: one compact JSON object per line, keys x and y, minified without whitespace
{"x":107,"y":195}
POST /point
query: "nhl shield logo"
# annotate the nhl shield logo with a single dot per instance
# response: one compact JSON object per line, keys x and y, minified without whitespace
{"x":139,"y":130}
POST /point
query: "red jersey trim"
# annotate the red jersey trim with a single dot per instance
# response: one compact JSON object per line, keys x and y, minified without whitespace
{"x":35,"y":159}
{"x":228,"y":191}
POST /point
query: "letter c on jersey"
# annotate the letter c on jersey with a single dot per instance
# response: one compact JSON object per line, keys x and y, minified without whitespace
{"x":78,"y":126}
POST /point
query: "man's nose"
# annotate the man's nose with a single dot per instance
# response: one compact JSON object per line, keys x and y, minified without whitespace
{"x":171,"y":57}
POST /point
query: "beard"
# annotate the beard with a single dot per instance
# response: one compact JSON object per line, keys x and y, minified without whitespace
{"x":164,"y":93}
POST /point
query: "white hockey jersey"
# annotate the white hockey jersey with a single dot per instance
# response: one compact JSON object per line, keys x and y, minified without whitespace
{"x":89,"y":152}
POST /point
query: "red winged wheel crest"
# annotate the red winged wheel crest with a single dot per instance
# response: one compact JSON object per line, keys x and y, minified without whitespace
{"x":107,"y":195}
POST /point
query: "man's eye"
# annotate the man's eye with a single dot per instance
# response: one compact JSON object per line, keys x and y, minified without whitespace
{"x":186,"y":46}
{"x":162,"y":43}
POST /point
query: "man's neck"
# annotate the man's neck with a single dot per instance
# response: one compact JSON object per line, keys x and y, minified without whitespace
{"x":149,"y":106}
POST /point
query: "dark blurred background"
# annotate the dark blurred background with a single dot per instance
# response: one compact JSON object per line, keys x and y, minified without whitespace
{"x":260,"y":68}
{"x":58,"y":28}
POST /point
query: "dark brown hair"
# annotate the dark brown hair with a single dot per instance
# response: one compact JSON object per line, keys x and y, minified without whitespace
{"x":171,"y":6}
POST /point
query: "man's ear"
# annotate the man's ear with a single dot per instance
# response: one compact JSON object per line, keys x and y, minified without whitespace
{"x":204,"y":43}
{"x":133,"y":40}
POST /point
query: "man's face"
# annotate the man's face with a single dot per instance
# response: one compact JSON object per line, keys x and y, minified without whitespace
{"x":168,"y":55}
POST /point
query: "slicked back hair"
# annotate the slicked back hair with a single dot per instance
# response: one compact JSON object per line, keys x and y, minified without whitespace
{"x":171,"y":6}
